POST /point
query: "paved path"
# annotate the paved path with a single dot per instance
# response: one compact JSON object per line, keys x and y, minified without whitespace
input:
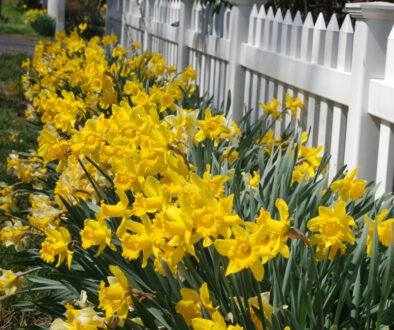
{"x":17,"y":45}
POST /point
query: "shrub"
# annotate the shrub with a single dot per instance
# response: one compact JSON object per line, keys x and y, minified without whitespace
{"x":44,"y":25}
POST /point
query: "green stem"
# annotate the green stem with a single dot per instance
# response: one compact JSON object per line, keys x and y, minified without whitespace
{"x":318,"y":288}
{"x":279,"y":283}
{"x":261,"y":307}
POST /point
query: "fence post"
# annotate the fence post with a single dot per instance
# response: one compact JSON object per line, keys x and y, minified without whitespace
{"x":124,"y":33}
{"x":373,"y":24}
{"x":239,"y":28}
{"x":185,"y":17}
{"x":57,"y":10}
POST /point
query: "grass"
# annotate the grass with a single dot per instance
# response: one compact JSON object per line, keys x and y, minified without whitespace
{"x":12,"y":107}
{"x":14,"y":23}
{"x":12,"y":121}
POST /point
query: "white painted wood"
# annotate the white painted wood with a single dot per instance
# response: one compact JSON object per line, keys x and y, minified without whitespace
{"x":254,"y":95}
{"x":259,"y":39}
{"x":268,"y":26}
{"x":286,"y":34}
{"x":322,"y":124}
{"x":295,"y":39}
{"x":277,"y":32}
{"x":252,"y":25}
{"x":331,"y":43}
{"x":226,"y":24}
{"x":248,"y":86}
{"x":368,"y":61}
{"x":310,"y":121}
{"x":337,"y":139}
{"x":236,"y":75}
{"x":306,"y":38}
{"x":389,"y":69}
{"x":314,"y":78}
{"x":319,"y":38}
{"x":385,"y":165}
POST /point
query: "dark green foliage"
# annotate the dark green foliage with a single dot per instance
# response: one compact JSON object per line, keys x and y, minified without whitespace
{"x":44,"y":25}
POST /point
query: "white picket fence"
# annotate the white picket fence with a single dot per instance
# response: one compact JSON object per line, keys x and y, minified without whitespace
{"x":344,"y":75}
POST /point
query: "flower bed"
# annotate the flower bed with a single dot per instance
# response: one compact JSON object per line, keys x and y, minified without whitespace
{"x":151,"y":210}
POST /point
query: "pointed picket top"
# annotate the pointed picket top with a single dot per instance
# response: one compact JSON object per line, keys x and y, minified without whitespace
{"x":172,"y":11}
{"x":308,"y":23}
{"x":297,"y":19}
{"x":262,"y":13}
{"x":226,"y":23}
{"x":347,"y":26}
{"x":267,"y":29}
{"x":307,"y":38}
{"x":203,"y":25}
{"x":215,"y":21}
{"x":320,"y":23}
{"x":218,"y":26}
{"x":193,"y":16}
{"x":345,"y":45}
{"x":198,"y":14}
{"x":318,"y":40}
{"x":288,"y":19}
{"x":278,"y":16}
{"x":270,"y":14}
{"x":286,"y":33}
{"x":252,"y":24}
{"x":210,"y":19}
{"x":254,"y":11}
{"x":331,"y":43}
{"x":178,"y":10}
{"x":333,"y":24}
{"x":277,"y":32}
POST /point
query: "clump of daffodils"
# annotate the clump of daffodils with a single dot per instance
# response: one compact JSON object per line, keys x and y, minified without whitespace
{"x":127,"y":173}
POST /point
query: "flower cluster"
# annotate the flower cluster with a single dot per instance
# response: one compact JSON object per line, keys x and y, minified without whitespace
{"x":120,"y":145}
{"x":31,"y":15}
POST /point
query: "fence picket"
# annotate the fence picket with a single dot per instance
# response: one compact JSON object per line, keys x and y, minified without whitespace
{"x":260,"y":27}
{"x":306,"y":38}
{"x":268,"y":25}
{"x":286,"y":34}
{"x":331,"y":45}
{"x":295,"y":40}
{"x":337,"y":139}
{"x":318,"y":41}
{"x":345,"y":45}
{"x":277,"y":32}
{"x":252,"y":25}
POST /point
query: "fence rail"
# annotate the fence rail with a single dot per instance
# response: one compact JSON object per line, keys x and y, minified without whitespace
{"x":344,"y":75}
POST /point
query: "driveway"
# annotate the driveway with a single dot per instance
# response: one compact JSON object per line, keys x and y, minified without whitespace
{"x":17,"y":45}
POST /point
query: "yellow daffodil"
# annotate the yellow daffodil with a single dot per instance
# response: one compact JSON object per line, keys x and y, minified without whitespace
{"x":334,"y":230}
{"x":243,"y":252}
{"x":211,"y":127}
{"x":293,"y":105}
{"x":217,"y":323}
{"x":267,"y":308}
{"x":116,"y":297}
{"x":10,"y":282}
{"x":79,"y":319}
{"x":13,"y":234}
{"x":385,"y":230}
{"x":56,"y":244}
{"x":349,"y":187}
{"x":272,"y":108}
{"x":96,"y":232}
{"x":190,"y":306}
